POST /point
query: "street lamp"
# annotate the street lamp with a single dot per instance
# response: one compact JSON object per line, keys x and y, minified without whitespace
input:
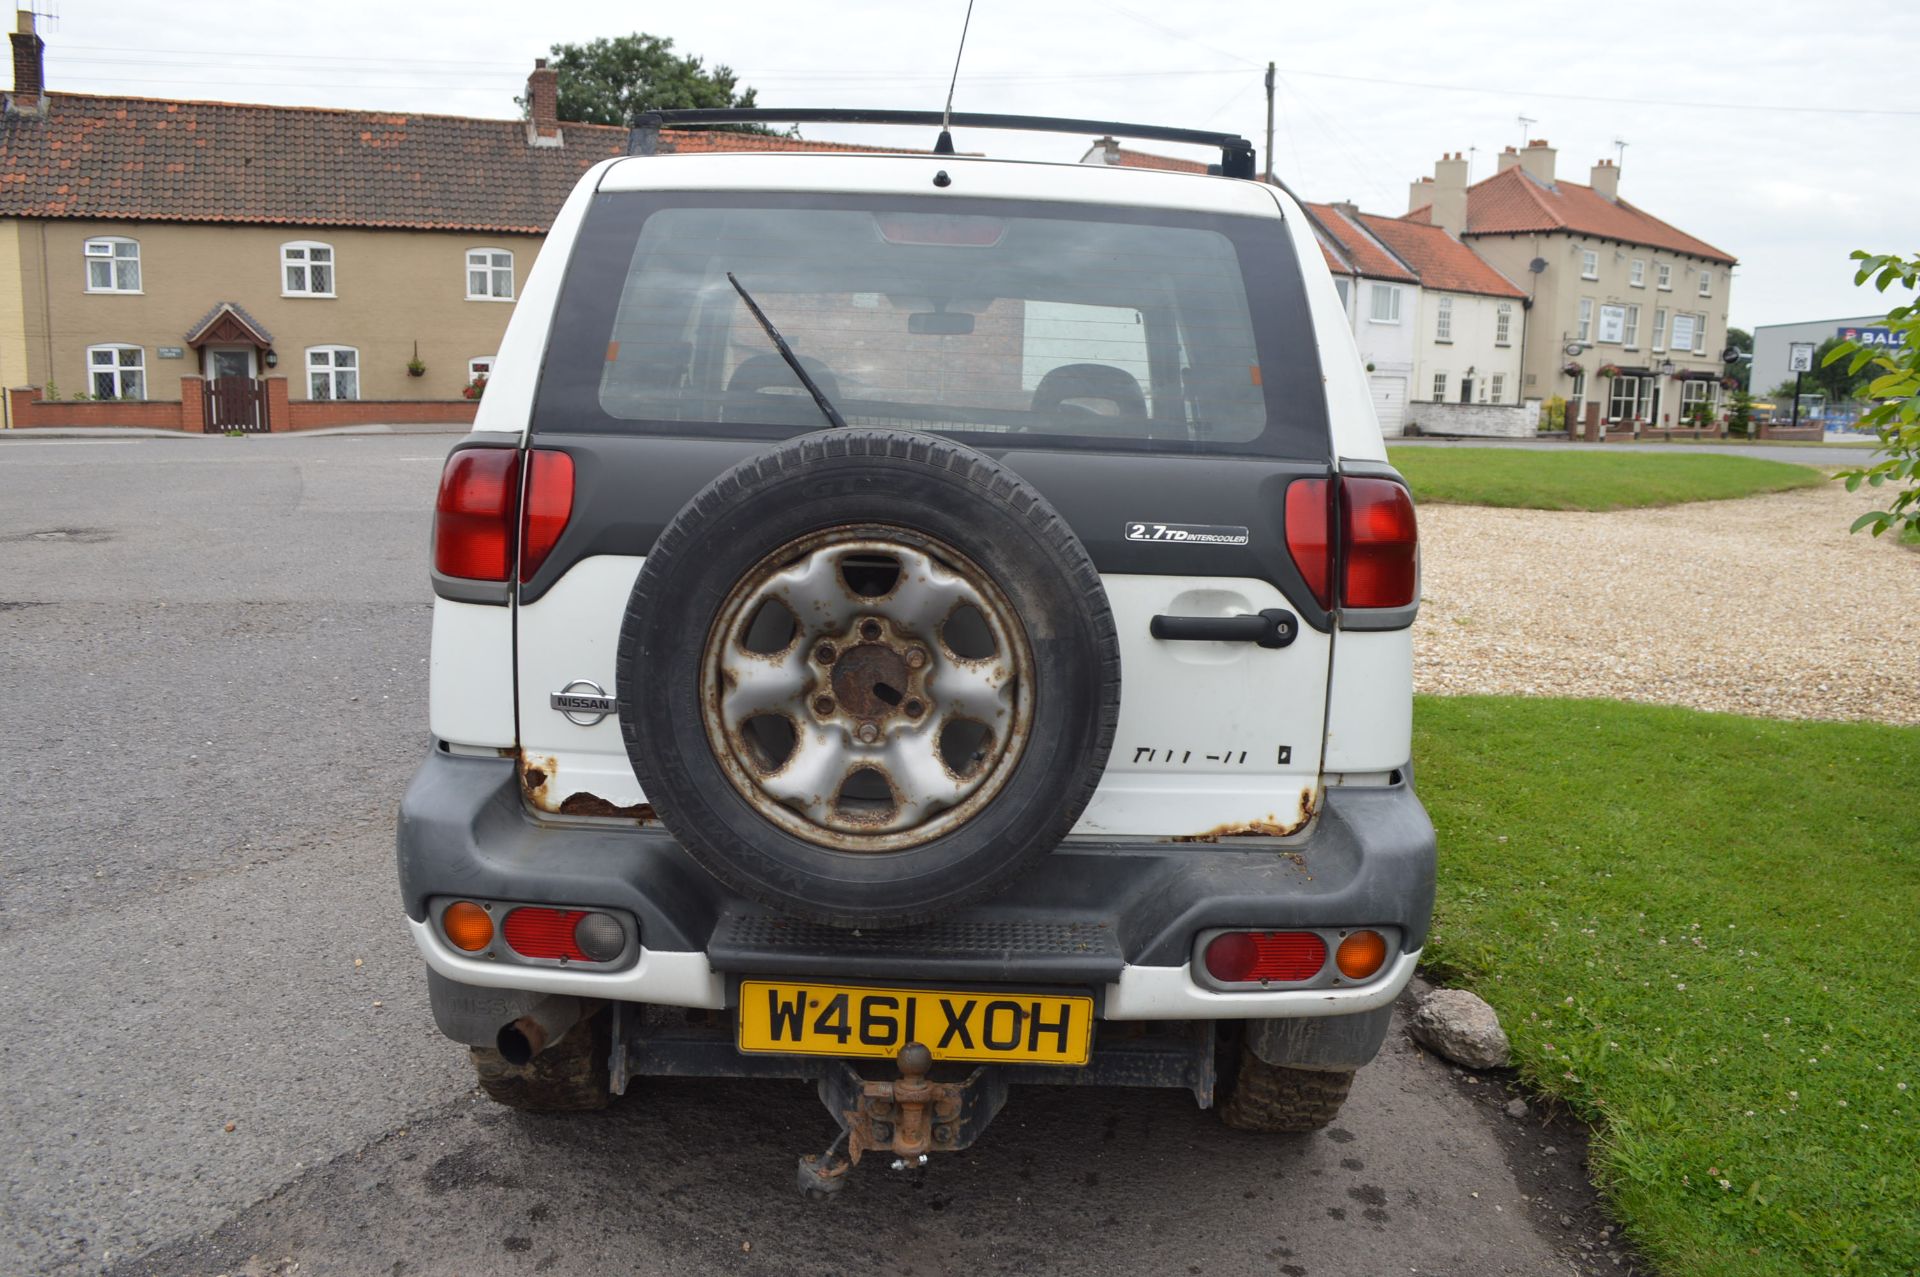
{"x":1666,"y":368}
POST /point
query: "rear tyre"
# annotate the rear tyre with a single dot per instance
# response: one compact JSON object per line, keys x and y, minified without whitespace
{"x":568,"y":1077}
{"x":1276,"y":1100}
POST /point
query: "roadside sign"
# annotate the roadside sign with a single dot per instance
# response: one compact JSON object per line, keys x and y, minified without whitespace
{"x":1800,"y":356}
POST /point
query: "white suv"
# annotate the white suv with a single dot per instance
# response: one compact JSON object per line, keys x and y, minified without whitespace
{"x":921,"y":622}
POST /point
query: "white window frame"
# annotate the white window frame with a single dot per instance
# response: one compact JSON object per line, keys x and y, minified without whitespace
{"x":104,"y":250}
{"x":1630,"y":331}
{"x":1706,"y":283}
{"x":1633,"y":400}
{"x":117,"y":368}
{"x":1503,"y":324}
{"x":1374,"y":293}
{"x":1663,"y":276}
{"x":1585,"y":331}
{"x":480,"y":365}
{"x":1699,"y":334}
{"x":333,"y":368}
{"x":1693,"y":333}
{"x":1637,"y":272}
{"x":1659,"y":328}
{"x":297,"y":255}
{"x":1496,"y":387}
{"x":1589,"y":264}
{"x":1443,"y":320}
{"x":1439,"y":387}
{"x":491,"y":266}
{"x":1340,"y":286}
{"x":1579,"y":392}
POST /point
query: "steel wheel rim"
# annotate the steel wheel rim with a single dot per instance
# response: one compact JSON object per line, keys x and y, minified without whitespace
{"x":880,"y":754}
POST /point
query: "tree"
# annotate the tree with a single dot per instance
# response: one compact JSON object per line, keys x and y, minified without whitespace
{"x":1741,"y":370}
{"x":1895,"y":386}
{"x":608,"y":81}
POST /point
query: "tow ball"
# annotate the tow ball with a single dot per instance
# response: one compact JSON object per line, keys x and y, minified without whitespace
{"x":909,"y":1117}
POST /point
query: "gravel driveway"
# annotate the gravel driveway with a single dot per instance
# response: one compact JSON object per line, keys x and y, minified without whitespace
{"x":1761,"y":606}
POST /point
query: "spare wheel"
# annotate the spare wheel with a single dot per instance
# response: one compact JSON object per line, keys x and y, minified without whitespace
{"x":868,"y":676}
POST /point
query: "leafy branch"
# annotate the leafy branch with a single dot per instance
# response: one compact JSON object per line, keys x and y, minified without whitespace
{"x":1895,"y":390}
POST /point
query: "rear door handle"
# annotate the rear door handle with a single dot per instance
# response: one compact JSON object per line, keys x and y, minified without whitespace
{"x":1275,"y":627}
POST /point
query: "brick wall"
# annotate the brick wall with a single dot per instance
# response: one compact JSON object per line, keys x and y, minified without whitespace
{"x":1504,"y":421}
{"x":27,"y":410}
{"x":306,"y":414}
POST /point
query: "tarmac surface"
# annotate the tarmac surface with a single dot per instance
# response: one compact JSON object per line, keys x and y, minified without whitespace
{"x":213,"y":665}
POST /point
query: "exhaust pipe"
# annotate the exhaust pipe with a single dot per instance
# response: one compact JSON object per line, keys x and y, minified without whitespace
{"x":546,"y":1023}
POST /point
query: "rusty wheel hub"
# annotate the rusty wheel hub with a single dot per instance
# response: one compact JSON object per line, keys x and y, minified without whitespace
{"x":867,"y":687}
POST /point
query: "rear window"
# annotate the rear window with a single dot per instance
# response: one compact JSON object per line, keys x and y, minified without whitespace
{"x":1062,"y":324}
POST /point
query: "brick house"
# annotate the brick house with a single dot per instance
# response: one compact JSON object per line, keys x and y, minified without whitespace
{"x":1610,"y":286}
{"x":204,"y":262}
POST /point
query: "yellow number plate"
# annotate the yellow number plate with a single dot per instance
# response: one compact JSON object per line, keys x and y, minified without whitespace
{"x":846,"y":1020}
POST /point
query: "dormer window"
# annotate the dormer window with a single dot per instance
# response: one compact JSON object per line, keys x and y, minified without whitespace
{"x":113,"y":265}
{"x":306,"y":269}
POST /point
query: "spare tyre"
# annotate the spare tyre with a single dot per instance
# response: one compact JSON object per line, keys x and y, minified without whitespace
{"x":868,"y":676}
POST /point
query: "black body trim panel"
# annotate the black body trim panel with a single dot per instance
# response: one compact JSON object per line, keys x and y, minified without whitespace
{"x":464,"y":831}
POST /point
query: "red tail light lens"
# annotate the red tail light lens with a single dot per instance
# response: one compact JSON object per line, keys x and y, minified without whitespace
{"x":1309,"y":524}
{"x":549,"y":506}
{"x":1242,"y":957}
{"x":473,"y":518}
{"x":545,"y":933}
{"x":1378,"y":543}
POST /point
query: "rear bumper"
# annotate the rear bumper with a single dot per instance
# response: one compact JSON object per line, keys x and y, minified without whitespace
{"x":1116,"y":916}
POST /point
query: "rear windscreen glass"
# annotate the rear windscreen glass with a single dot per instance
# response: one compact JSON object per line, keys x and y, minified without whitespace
{"x":1057,"y":323}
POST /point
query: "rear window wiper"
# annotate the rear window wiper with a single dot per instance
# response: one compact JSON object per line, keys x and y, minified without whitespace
{"x":827,"y":409}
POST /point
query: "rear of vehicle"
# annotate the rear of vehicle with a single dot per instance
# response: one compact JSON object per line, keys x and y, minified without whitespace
{"x":1049,"y":722}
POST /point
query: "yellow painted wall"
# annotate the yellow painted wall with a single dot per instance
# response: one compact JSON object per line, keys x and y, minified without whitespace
{"x":13,"y":310}
{"x":392,"y":289}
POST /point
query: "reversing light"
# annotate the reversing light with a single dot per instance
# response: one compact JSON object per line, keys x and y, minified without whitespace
{"x":1360,"y":954}
{"x":1243,"y":957}
{"x":467,"y":926}
{"x":600,"y":936}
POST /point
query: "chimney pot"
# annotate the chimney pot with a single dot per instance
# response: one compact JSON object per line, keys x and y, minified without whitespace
{"x":1606,"y":180}
{"x":1537,"y":160}
{"x":29,"y":68}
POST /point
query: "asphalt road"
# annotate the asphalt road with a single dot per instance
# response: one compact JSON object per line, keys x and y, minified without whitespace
{"x":218,"y":1055}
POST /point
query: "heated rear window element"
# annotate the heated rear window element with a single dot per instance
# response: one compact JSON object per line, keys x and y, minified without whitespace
{"x":1058,"y":323}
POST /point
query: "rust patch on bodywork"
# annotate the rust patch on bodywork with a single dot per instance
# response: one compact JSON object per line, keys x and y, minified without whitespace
{"x":585,"y":804}
{"x":536,"y":776}
{"x":1268,"y":828}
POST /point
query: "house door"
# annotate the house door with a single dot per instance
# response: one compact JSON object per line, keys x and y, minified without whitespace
{"x":1466,"y":390}
{"x":234,"y":400}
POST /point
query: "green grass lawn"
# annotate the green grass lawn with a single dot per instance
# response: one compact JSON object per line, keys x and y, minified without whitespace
{"x":1703,"y":932}
{"x":1546,"y":478}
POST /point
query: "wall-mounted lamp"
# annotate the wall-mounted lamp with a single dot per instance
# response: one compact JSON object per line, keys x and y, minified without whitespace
{"x":273,"y":359}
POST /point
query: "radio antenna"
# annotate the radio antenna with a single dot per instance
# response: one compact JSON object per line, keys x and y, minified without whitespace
{"x":943,"y":145}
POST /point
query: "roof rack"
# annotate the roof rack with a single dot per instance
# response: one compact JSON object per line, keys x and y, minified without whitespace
{"x":1236,"y":153}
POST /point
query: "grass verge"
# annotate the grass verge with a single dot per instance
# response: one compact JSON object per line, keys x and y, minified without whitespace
{"x":1700,"y":931}
{"x":1565,"y":479}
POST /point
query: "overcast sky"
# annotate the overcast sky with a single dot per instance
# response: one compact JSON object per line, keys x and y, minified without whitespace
{"x":1782,"y":136}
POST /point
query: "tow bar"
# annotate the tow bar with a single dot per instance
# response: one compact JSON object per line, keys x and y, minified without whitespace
{"x":909,"y":1117}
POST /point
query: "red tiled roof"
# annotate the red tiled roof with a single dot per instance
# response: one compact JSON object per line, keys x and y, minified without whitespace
{"x":1515,"y":203}
{"x":150,"y":159}
{"x":1368,"y":256}
{"x":1440,"y":260}
{"x":1145,"y":159}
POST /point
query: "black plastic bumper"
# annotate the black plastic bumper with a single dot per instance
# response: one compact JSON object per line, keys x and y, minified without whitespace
{"x":1090,"y":908}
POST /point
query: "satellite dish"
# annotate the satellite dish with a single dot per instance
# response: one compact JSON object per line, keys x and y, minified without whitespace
{"x":1537,"y":265}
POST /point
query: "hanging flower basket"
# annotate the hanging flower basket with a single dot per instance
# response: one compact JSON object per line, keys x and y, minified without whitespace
{"x":1609,"y":370}
{"x":1572,"y":368}
{"x":1728,"y":383}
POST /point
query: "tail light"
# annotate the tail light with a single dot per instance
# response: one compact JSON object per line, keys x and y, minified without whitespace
{"x":480,"y":510}
{"x":1243,"y":957}
{"x":577,"y":935}
{"x":1376,"y":534}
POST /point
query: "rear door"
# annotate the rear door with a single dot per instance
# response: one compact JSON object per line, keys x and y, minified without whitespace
{"x":1150,"y":370}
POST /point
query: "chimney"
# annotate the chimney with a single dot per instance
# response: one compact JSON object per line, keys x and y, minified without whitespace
{"x":1109,"y":150}
{"x":1419,"y":194}
{"x":1537,"y":160}
{"x":29,"y":69}
{"x":1606,"y":180}
{"x":1450,"y":193}
{"x":543,"y":105}
{"x":1508,"y":158}
{"x":1347,"y":209}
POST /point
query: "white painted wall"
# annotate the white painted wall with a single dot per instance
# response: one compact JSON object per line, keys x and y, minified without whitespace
{"x":1387,"y":349}
{"x":1474,"y":325}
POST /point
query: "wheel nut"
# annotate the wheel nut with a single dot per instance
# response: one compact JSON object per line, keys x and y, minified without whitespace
{"x":914,"y":709}
{"x":870,"y":629}
{"x":824,"y":654}
{"x":869,"y":733}
{"x":917,"y":657}
{"x":823,"y":705}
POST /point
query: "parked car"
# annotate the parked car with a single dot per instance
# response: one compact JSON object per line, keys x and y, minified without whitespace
{"x":922,"y":623}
